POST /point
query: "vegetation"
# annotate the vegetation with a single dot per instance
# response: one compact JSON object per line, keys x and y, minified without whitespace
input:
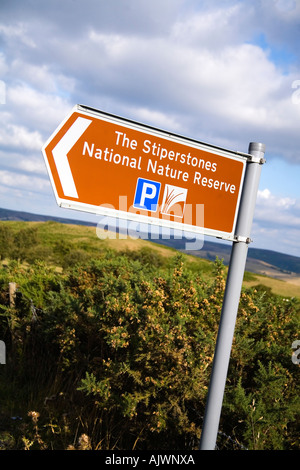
{"x":112,"y":349}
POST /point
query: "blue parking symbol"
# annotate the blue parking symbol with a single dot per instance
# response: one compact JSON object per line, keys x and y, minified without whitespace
{"x":146,"y":194}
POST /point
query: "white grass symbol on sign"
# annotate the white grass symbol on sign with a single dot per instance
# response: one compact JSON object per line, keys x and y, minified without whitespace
{"x":173,"y":195}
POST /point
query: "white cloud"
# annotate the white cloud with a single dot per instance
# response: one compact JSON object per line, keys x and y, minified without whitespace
{"x":27,"y":162}
{"x":277,"y":223}
{"x":211,"y":28}
{"x":39,"y":111}
{"x":40,"y":77}
{"x":277,"y":210}
{"x":265,"y":197}
{"x":13,"y":136}
{"x":287,"y":7}
{"x":33,"y":165}
{"x":156,"y":119}
{"x":17,"y":33}
{"x":238,"y":86}
{"x":225,"y":87}
{"x":3,"y":65}
{"x":20,"y":181}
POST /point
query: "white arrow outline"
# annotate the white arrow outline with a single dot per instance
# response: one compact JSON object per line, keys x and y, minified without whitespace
{"x":61,"y":151}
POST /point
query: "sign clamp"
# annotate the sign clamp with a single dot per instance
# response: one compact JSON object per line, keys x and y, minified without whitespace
{"x":239,"y":238}
{"x":252,"y":158}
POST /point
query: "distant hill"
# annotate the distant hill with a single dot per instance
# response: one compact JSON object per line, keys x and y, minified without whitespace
{"x":7,"y":214}
{"x":272,"y":263}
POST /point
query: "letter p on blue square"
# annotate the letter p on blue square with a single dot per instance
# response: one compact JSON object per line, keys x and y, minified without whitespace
{"x":146,"y":195}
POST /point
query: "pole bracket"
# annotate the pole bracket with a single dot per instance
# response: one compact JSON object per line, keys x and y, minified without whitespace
{"x":252,"y":158}
{"x":239,"y":238}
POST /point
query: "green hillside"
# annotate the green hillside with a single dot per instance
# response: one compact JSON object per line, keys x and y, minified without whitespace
{"x":63,"y":245}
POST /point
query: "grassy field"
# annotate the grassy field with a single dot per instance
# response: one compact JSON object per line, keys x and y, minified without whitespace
{"x":278,"y":286}
{"x":53,"y":242}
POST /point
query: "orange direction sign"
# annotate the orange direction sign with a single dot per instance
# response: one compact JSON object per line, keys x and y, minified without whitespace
{"x":107,"y":165}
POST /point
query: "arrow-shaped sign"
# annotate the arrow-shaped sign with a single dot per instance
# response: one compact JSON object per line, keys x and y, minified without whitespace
{"x":60,"y":155}
{"x":97,"y":161}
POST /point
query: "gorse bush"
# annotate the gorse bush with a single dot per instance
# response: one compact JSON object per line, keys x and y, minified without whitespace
{"x":121,"y":354}
{"x":152,"y":363}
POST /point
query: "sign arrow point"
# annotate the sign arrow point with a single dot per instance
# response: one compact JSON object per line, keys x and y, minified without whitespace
{"x":60,"y":155}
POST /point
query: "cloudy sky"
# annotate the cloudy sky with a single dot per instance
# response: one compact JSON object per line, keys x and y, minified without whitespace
{"x":224,"y":72}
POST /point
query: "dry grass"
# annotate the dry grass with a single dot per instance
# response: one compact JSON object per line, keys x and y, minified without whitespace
{"x":288,"y":288}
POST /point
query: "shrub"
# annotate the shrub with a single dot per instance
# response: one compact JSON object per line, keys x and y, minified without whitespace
{"x":122,"y":355}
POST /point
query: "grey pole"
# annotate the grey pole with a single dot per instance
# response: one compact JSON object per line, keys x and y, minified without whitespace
{"x":231,"y":299}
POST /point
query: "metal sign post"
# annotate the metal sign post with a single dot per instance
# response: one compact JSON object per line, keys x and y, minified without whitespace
{"x":231,"y":298}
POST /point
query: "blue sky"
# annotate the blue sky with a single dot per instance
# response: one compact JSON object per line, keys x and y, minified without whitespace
{"x":223,"y":72}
